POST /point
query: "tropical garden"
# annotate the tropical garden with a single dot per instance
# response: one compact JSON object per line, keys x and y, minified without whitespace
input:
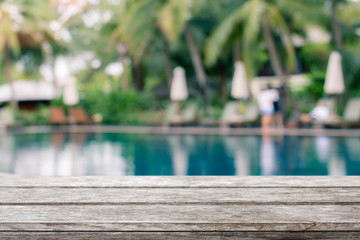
{"x":123,"y":52}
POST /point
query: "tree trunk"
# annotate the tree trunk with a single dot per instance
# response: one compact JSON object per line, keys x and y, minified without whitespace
{"x":122,"y":49}
{"x":336,"y":31}
{"x":223,"y":85}
{"x":167,"y":60}
{"x":124,"y":78}
{"x":236,"y":51}
{"x":223,"y":88}
{"x":8,"y":74}
{"x":198,"y":66}
{"x":138,"y":76}
{"x":276,"y":63}
{"x":274,"y":56}
{"x":52,"y":65}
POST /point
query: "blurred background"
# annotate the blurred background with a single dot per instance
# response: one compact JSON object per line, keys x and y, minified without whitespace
{"x":115,"y":58}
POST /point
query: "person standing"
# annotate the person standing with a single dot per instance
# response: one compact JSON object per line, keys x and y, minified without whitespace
{"x":266,"y":104}
{"x":277,"y":108}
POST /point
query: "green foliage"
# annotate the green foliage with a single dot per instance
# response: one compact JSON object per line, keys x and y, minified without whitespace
{"x":31,"y":58}
{"x":315,"y":56}
{"x":58,"y":103}
{"x":351,"y":68}
{"x":218,"y":39}
{"x":148,"y":26}
{"x":316,"y":89}
{"x":118,"y":107}
{"x":37,"y":117}
{"x":356,"y":93}
{"x":251,"y":17}
{"x":306,"y":99}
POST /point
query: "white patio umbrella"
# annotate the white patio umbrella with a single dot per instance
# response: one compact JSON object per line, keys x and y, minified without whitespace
{"x":239,"y":86}
{"x":334,"y":81}
{"x":178,"y":90}
{"x":71,"y":95}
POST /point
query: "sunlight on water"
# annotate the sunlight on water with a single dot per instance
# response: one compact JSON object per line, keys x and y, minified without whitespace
{"x":60,"y":154}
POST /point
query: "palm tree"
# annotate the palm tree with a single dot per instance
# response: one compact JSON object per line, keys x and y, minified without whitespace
{"x":135,"y":28}
{"x":35,"y":32}
{"x":259,"y":18}
{"x":335,"y":25}
{"x":175,"y":19}
{"x":8,"y":42}
{"x":25,"y":26}
{"x":141,"y":19}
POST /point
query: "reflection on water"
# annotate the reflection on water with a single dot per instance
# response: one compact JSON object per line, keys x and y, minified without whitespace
{"x":268,"y":156}
{"x":179,"y":156}
{"x":63,"y":154}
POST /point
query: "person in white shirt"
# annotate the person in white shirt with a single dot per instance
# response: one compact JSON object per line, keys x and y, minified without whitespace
{"x":266,"y":104}
{"x":320,"y":112}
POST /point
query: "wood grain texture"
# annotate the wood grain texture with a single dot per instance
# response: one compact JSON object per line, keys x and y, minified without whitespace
{"x":176,"y":196}
{"x":180,"y":207}
{"x":184,"y":182}
{"x":159,"y":217}
{"x":183,"y":235}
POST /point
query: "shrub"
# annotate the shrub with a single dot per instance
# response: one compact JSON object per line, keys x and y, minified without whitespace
{"x":119,"y":107}
{"x":37,"y":117}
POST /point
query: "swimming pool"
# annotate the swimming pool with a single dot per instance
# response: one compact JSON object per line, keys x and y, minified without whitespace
{"x":118,"y":154}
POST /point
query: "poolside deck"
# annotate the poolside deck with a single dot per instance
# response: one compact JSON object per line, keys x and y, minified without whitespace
{"x":179,"y":207}
{"x":192,"y":130}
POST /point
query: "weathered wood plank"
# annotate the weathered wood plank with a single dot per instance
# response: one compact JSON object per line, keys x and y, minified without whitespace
{"x":185,"y":182}
{"x":182,"y":235}
{"x":280,"y":196}
{"x":180,"y":207}
{"x":189,"y":217}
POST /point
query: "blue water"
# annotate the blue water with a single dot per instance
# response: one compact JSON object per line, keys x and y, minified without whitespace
{"x":100,"y":154}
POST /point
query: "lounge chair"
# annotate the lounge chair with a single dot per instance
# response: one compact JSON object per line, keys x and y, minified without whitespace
{"x":77,"y":115}
{"x":171,"y":111}
{"x":6,"y":118}
{"x":189,"y":115}
{"x":57,"y":116}
{"x":232,"y":116}
{"x":230,"y":113}
{"x":351,"y":117}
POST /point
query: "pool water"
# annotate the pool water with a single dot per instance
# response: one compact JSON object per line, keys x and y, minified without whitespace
{"x":110,"y":154}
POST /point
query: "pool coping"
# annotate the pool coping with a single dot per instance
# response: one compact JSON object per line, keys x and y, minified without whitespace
{"x":191,"y":130}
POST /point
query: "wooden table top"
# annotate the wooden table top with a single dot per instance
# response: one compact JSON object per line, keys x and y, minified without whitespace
{"x":215,"y":207}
